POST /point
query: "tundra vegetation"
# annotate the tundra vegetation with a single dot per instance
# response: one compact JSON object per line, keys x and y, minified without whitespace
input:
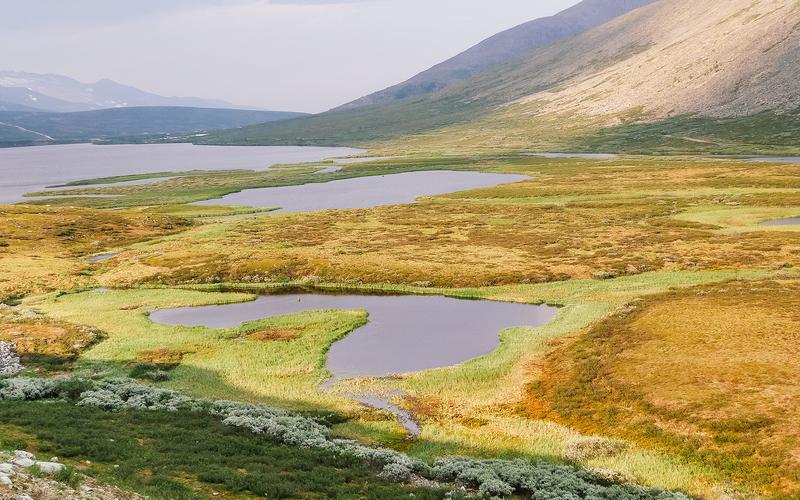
{"x":650,"y":373}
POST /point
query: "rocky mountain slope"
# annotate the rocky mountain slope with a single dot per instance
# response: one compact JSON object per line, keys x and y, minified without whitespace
{"x":503,"y":48}
{"x":676,"y":57}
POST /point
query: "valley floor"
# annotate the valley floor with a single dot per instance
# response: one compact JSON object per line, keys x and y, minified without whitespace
{"x":670,"y":363}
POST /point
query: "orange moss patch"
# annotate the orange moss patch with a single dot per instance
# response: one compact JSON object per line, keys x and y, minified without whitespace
{"x":710,"y":372}
{"x":271,"y":334}
{"x":46,"y":337}
{"x":40,"y":247}
{"x":163,"y":356}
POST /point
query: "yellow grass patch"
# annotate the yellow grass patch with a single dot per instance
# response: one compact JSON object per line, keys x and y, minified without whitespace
{"x":709,"y":372}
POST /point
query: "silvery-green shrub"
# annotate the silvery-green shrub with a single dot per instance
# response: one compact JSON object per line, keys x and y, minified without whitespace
{"x":495,"y":488}
{"x":395,"y":472}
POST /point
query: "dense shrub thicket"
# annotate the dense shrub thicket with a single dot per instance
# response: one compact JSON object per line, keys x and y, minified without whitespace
{"x":492,"y":478}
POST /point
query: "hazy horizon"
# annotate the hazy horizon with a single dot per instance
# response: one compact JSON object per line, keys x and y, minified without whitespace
{"x":292,"y":55}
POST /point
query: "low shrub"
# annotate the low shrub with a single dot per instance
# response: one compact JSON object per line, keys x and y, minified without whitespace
{"x":539,"y":479}
{"x":492,"y":478}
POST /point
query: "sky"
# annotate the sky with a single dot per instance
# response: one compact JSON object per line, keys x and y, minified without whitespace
{"x":291,"y":55}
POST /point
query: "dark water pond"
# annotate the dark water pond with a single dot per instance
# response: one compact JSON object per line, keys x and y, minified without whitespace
{"x":363,"y":159}
{"x":23,"y":170}
{"x":101,"y":257}
{"x":405,"y":333}
{"x":588,"y":156}
{"x":782,"y":222}
{"x":364,"y":192}
{"x":776,"y":159}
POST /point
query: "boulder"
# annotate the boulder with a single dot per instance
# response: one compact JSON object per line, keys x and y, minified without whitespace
{"x":23,"y":454}
{"x":6,"y":469}
{"x":9,"y":360}
{"x":5,"y":480}
{"x":50,"y":467}
{"x":23,"y":462}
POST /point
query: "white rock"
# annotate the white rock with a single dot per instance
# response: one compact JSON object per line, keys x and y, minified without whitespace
{"x":23,"y":454}
{"x":49,"y":467}
{"x":24,"y":496}
{"x":23,"y":462}
{"x":54,"y":459}
{"x":6,"y":469}
{"x":5,"y":480}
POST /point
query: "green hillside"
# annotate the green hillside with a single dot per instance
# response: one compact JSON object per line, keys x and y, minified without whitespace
{"x":44,"y":128}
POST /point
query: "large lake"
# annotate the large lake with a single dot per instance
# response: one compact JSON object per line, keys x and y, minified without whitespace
{"x":24,"y":170}
{"x":364,"y":192}
{"x":405,"y":333}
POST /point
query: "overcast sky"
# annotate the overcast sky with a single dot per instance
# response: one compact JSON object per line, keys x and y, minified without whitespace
{"x":298,"y":55}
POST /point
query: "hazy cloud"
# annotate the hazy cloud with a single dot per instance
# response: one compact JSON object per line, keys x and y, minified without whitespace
{"x":304,"y":55}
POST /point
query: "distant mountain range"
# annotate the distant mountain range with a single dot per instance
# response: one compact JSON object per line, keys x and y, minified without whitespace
{"x":57,"y":93}
{"x":40,"y":109}
{"x":671,"y":74}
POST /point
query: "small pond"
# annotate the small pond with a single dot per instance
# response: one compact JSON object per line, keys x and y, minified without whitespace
{"x":774,"y":159}
{"x":405,"y":333}
{"x":782,"y":222}
{"x":101,"y":257}
{"x":364,"y":192}
{"x":587,"y":156}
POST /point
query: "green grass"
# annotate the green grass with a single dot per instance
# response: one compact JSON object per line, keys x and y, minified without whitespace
{"x":761,"y":134}
{"x":187,"y":456}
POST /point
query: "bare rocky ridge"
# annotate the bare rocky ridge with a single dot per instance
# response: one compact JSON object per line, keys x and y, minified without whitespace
{"x":676,"y":57}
